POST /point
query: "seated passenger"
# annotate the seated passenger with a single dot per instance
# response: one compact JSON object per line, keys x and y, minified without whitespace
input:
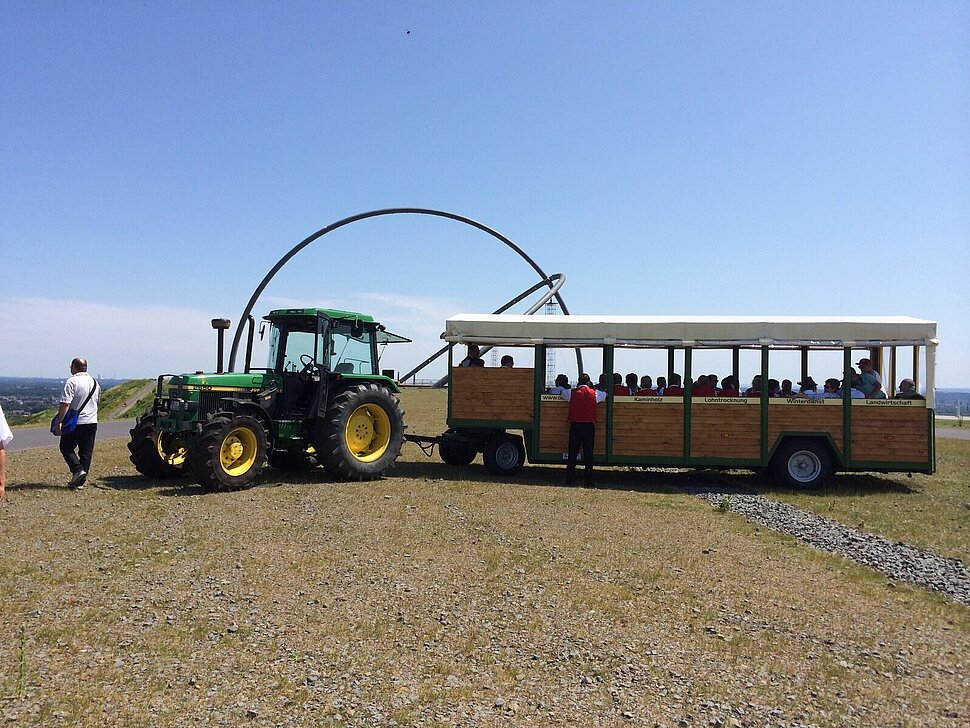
{"x":786,"y":388}
{"x":702,"y":387}
{"x":479,"y":362}
{"x":869,"y":380}
{"x":774,"y":389}
{"x":854,"y":391}
{"x":507,"y":362}
{"x":907,"y":390}
{"x":631,"y":383}
{"x":661,"y":386}
{"x":646,"y":387}
{"x":674,"y":389}
{"x":807,"y":386}
{"x":830,"y":390}
{"x":561,"y":385}
{"x":755,"y":389}
{"x":473,"y":353}
{"x":729,"y":387}
{"x":601,"y":384}
{"x":712,"y":380}
{"x":618,"y":388}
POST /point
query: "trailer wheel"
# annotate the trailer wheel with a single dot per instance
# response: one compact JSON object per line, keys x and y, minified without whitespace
{"x":504,"y":455}
{"x":362,"y":434}
{"x":454,"y":452}
{"x":802,"y":463}
{"x":229,"y":453}
{"x":156,"y":454}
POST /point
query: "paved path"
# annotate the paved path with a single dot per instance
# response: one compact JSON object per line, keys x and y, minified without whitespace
{"x":27,"y":438}
{"x":954,"y":433}
{"x":133,"y":400}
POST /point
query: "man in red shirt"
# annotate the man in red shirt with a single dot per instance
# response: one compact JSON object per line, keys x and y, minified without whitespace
{"x":619,"y":389}
{"x":582,"y":425}
{"x":702,"y":387}
{"x":674,"y":389}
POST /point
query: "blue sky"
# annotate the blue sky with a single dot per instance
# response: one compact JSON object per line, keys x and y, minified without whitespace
{"x":668,"y":158}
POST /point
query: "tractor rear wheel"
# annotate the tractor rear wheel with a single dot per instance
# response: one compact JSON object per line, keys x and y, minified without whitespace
{"x":362,"y":434}
{"x":229,"y":453}
{"x":156,"y":454}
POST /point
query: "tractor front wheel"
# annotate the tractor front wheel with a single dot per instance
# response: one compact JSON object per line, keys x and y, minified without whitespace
{"x":229,"y":453}
{"x":156,"y":454}
{"x":362,"y":434}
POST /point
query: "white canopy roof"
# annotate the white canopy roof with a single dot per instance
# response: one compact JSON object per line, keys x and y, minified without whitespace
{"x":695,"y":331}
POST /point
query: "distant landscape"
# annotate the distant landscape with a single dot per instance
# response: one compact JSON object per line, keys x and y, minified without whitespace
{"x":22,"y":397}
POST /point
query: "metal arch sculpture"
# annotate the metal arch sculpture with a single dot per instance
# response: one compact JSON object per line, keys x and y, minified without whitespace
{"x":364,"y":216}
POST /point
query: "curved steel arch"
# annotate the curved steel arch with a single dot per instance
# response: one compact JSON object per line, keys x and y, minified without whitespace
{"x":363,"y":216}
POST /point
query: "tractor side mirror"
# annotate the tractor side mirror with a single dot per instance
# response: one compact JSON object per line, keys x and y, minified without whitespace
{"x":357,"y":329}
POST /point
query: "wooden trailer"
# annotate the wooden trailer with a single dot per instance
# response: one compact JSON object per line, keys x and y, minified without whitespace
{"x":507,"y":415}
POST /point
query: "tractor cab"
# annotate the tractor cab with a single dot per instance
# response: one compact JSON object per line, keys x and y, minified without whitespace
{"x":312,"y":350}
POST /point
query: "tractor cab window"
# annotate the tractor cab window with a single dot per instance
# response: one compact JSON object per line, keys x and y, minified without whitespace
{"x":352,"y":349}
{"x":298,"y":344}
{"x":293,"y":343}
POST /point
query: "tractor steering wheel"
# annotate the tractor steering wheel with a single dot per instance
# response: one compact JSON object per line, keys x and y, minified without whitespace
{"x":309,"y":367}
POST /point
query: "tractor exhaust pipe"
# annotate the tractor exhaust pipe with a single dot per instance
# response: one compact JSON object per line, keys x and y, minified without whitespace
{"x":220,"y":325}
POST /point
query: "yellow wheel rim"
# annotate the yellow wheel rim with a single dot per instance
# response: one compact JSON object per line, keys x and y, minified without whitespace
{"x":238,"y":451}
{"x":368,"y":432}
{"x":171,"y":448}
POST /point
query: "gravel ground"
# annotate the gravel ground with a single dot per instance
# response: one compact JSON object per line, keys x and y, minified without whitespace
{"x":894,"y":559}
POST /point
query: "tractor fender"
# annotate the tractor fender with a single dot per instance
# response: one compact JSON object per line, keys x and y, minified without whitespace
{"x":236,"y":406}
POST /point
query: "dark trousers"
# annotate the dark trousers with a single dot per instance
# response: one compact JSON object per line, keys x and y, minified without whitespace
{"x":580,"y":434}
{"x":82,"y":440}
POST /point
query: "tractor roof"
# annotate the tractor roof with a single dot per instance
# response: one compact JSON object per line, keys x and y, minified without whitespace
{"x":333,"y":313}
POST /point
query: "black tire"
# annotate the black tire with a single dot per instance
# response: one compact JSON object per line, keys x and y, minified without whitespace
{"x":504,"y":455}
{"x":296,"y":461}
{"x":362,"y":434}
{"x":156,"y":454}
{"x":229,"y":453}
{"x":455,"y":452}
{"x":802,"y":463}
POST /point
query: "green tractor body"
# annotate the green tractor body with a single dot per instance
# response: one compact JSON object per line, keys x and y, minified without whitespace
{"x":320,"y":400}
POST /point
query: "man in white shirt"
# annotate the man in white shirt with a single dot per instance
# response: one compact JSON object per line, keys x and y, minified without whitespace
{"x":81,"y":394}
{"x":5,"y":437}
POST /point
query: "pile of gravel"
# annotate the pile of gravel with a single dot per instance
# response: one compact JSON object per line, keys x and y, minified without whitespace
{"x":896,"y":560}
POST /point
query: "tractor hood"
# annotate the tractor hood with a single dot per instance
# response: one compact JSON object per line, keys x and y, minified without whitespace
{"x":233,"y":380}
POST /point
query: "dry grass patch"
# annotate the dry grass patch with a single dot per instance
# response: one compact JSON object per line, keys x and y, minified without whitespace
{"x":432,"y":599}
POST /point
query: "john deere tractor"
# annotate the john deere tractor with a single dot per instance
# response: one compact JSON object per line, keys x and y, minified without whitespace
{"x":319,"y":401}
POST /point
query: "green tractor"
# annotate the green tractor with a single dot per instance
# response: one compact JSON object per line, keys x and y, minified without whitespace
{"x":320,"y":401}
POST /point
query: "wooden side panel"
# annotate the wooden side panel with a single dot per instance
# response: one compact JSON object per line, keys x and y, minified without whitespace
{"x":725,"y":430}
{"x":648,"y":429}
{"x":827,"y":418}
{"x":492,"y":393}
{"x":890,"y":433}
{"x":554,"y":429}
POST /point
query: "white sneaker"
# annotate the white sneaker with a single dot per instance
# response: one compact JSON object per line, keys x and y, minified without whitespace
{"x":77,"y":481}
